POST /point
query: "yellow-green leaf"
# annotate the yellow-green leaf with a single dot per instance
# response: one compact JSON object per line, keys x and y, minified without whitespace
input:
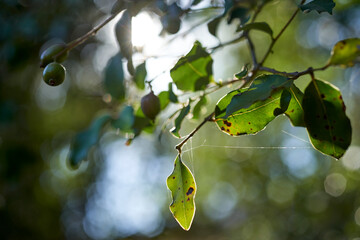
{"x":182,"y":185}
{"x":346,"y":52}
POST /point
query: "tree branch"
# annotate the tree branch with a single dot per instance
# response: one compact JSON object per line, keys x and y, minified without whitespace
{"x":252,"y":49}
{"x":293,"y":75}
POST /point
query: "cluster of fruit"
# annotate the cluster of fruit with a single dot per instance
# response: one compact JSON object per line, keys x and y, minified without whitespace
{"x":50,"y":60}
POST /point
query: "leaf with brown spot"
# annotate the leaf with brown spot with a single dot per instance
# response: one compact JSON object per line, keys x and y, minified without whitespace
{"x":183,"y":188}
{"x":346,"y":53}
{"x":326,"y":131}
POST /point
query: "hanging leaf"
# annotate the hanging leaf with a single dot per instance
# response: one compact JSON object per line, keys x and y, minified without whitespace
{"x":114,"y":78}
{"x":248,"y":120}
{"x":125,"y":120}
{"x":325,"y":119}
{"x":184,"y":111}
{"x":84,"y":140}
{"x":183,"y":189}
{"x":213,"y":25}
{"x":140,"y":75}
{"x":284,"y":102}
{"x":261,"y":26}
{"x":260,"y":89}
{"x":295,"y":111}
{"x":123,"y":36}
{"x":172,"y":97}
{"x":319,"y":6}
{"x":242,"y":73}
{"x":164,"y":99}
{"x":239,"y":12}
{"x":198,"y":107}
{"x":193,"y":71}
{"x":346,"y":52}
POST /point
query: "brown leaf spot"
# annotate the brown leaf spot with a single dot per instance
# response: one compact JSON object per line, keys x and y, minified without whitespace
{"x":249,"y":123}
{"x":292,"y":110}
{"x":251,"y":129}
{"x":174,"y":177}
{"x":227,"y":123}
{"x":238,"y":134}
{"x":188,"y":199}
{"x":222,"y":128}
{"x":340,"y":97}
{"x":190,"y":191}
{"x":228,"y":130}
{"x":182,"y":201}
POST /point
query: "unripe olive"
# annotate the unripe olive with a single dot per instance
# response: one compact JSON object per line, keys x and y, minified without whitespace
{"x":48,"y":55}
{"x":54,"y":74}
{"x":150,"y":105}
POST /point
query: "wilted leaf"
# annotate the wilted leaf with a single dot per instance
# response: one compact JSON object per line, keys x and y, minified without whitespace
{"x":248,"y":120}
{"x":295,"y":111}
{"x":318,"y":5}
{"x":193,"y":71}
{"x":84,"y":140}
{"x":114,"y":78}
{"x":324,"y":113}
{"x":140,"y":75}
{"x":125,"y":120}
{"x":198,"y":107}
{"x":183,"y":189}
{"x":261,"y":26}
{"x":260,"y":89}
{"x":346,"y":52}
{"x":184,"y":111}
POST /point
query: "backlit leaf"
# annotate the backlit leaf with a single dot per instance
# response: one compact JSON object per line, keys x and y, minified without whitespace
{"x":325,"y":119}
{"x":193,"y":71}
{"x":184,"y":111}
{"x":140,"y":75}
{"x":183,"y":189}
{"x":261,"y":26}
{"x":346,"y":52}
{"x":84,"y":140}
{"x":248,"y":120}
{"x":260,"y":89}
{"x":319,"y":6}
{"x":295,"y":111}
{"x":198,"y":107}
{"x":164,"y":99}
{"x":114,"y":78}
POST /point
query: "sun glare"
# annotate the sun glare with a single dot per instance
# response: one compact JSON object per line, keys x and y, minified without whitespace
{"x":145,"y":31}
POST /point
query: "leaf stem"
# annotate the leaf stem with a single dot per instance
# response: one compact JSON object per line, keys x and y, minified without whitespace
{"x":207,"y":119}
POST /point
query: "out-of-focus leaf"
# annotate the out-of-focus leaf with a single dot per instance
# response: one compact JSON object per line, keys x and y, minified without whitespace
{"x":260,"y":89}
{"x":295,"y":111}
{"x":123,"y":36}
{"x":141,"y":123}
{"x":140,"y":75}
{"x":213,"y":25}
{"x":319,"y":6}
{"x":172,"y":97}
{"x":193,"y":71}
{"x":241,"y":13}
{"x":114,"y":78}
{"x":242,"y":73}
{"x":198,"y":107}
{"x":196,"y":2}
{"x":125,"y":120}
{"x":248,"y":120}
{"x":184,"y":111}
{"x":182,"y":185}
{"x":346,"y":52}
{"x":164,"y":99}
{"x":327,"y":124}
{"x":261,"y":26}
{"x":118,"y":6}
{"x":84,"y":140}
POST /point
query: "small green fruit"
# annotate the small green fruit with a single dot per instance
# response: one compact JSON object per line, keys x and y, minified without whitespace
{"x":150,"y":105}
{"x":54,"y":74}
{"x":48,"y":55}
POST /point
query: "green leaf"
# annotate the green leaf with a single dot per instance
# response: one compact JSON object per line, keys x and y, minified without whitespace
{"x":213,"y":25}
{"x":260,"y":89}
{"x":172,"y":97}
{"x":84,"y":140}
{"x":125,"y":120}
{"x":242,"y":73}
{"x":114,"y":78}
{"x":295,"y":111}
{"x":241,"y":13}
{"x":164,"y":99}
{"x":193,"y":71}
{"x":141,"y":123}
{"x":198,"y":107}
{"x":184,"y":111}
{"x":196,"y":2}
{"x":261,"y":26}
{"x":324,"y":113}
{"x":284,"y":102}
{"x":319,"y":6}
{"x":249,"y":120}
{"x":182,"y":185}
{"x":140,"y":75}
{"x":346,"y":52}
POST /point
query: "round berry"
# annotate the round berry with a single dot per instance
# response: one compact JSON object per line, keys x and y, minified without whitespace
{"x":48,"y":55}
{"x":54,"y":74}
{"x":150,"y":105}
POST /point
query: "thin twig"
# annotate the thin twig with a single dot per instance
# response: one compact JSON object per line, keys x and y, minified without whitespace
{"x":252,"y":49}
{"x":293,"y":75}
{"x":207,"y":119}
{"x":236,"y":40}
